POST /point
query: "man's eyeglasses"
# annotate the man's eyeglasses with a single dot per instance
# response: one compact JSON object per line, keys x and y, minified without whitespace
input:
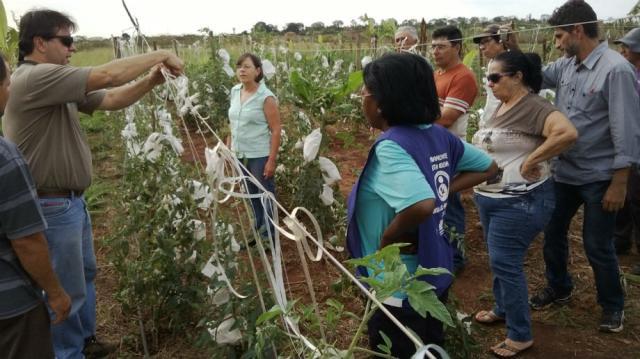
{"x":67,"y":41}
{"x":495,"y":77}
{"x":440,"y":47}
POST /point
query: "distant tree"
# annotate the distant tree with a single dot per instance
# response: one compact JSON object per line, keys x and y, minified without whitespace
{"x":259,"y":26}
{"x":461,"y":20}
{"x":410,"y":22}
{"x":498,"y":19}
{"x":295,"y":27}
{"x":317,"y":26}
{"x":438,"y":22}
{"x":263,"y":27}
{"x":387,"y":27}
{"x":337,"y":24}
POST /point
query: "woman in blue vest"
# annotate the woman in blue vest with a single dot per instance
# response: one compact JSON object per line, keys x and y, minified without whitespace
{"x":401,"y":195}
{"x":522,"y":135}
{"x":254,"y":122}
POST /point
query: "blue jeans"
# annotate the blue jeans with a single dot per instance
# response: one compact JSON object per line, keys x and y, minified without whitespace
{"x":510,"y":225}
{"x":597,"y":233}
{"x":256,"y":168}
{"x":71,"y":249}
{"x":454,"y":221}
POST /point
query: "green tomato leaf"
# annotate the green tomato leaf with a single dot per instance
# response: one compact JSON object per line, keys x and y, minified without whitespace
{"x":430,"y":271}
{"x":302,"y":88}
{"x":275,"y":311}
{"x":386,"y":347}
{"x":423,"y":299}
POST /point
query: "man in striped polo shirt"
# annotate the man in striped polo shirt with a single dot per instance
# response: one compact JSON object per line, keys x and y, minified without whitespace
{"x":457,"y":89}
{"x":25,"y":268}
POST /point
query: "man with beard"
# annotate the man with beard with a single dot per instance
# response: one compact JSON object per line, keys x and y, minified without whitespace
{"x":595,"y":88}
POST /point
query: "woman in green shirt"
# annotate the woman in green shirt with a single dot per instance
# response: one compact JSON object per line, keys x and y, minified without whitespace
{"x":254,"y":121}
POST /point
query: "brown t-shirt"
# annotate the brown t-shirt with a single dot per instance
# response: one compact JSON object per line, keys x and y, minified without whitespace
{"x":509,"y":139}
{"x":42,"y":119}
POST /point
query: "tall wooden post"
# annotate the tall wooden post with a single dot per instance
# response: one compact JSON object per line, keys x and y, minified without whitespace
{"x":358,"y":59}
{"x":374,"y":45}
{"x":116,"y":49}
{"x":422,"y":44}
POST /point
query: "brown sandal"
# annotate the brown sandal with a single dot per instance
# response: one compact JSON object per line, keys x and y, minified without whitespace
{"x":513,"y":350}
{"x":488,"y":317}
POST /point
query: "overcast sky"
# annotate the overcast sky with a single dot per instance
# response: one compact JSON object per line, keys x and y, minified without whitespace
{"x":107,"y":17}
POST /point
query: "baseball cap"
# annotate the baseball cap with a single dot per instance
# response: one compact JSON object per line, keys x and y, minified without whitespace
{"x":489,"y":31}
{"x":631,"y":39}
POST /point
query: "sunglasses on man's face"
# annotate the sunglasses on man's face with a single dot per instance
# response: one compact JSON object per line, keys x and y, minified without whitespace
{"x":496,"y":76}
{"x":67,"y":41}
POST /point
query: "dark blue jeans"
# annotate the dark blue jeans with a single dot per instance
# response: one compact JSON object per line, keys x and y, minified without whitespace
{"x":510,"y":225}
{"x":597,"y":233}
{"x":454,"y":221}
{"x":256,"y":168}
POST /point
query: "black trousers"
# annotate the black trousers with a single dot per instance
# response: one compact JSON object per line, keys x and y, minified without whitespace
{"x":628,"y":218}
{"x":27,"y":335}
{"x":429,"y":329}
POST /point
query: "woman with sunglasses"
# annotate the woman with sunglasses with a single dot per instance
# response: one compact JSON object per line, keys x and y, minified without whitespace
{"x":401,"y":195}
{"x":522,"y":135}
{"x":254,"y":121}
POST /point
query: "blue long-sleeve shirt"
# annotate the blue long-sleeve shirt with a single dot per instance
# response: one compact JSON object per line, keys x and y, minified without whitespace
{"x":599,"y":96}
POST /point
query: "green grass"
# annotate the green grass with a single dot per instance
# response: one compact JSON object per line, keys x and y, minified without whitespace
{"x":103,"y":135}
{"x":92,"y":57}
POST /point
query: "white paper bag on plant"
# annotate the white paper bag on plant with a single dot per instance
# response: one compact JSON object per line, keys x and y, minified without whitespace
{"x":215,"y":165}
{"x":330,"y":173}
{"x":224,"y":55}
{"x":366,"y":60}
{"x":221,"y":297}
{"x":311,"y":145}
{"x":268,"y":69}
{"x":228,"y":70}
{"x":223,"y":335}
{"x":326,"y":196}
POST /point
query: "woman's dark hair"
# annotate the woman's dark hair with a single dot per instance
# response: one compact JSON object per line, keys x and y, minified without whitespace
{"x":3,"y":68}
{"x":256,"y":62}
{"x":402,"y":84}
{"x":529,"y":64}
{"x":44,"y":23}
{"x":575,"y":12}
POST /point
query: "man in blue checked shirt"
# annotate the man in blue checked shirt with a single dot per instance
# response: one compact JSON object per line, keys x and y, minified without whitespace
{"x":595,"y":88}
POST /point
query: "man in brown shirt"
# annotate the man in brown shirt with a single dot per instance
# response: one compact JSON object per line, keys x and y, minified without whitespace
{"x":42,"y":119}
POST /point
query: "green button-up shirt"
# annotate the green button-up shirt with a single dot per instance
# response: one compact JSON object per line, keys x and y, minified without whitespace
{"x":250,"y":134}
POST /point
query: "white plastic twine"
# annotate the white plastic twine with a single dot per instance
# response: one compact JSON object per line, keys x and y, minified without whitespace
{"x":427,"y":352}
{"x":221,"y":160}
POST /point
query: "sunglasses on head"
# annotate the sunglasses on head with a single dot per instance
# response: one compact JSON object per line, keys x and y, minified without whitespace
{"x":495,"y":77}
{"x":67,"y":40}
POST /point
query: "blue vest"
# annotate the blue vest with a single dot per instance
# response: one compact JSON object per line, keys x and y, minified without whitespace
{"x":436,"y":152}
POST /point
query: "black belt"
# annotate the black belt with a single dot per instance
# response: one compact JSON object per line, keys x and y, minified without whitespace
{"x":60,"y":193}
